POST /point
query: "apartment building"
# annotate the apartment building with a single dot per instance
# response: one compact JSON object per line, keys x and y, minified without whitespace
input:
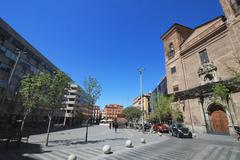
{"x":96,"y":114}
{"x":146,"y":104}
{"x":76,"y":107}
{"x":17,"y":58}
{"x":161,"y":88}
{"x":112,"y":111}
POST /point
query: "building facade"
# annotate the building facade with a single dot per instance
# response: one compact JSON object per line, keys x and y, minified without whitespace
{"x":146,"y":98}
{"x":161,"y":88}
{"x":76,"y":106}
{"x":96,"y":114}
{"x":197,"y":59}
{"x":17,"y":58}
{"x":112,"y":112}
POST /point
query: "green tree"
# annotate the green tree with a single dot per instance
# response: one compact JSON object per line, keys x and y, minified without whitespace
{"x":177,"y":115}
{"x":162,"y":107}
{"x":153,"y":118}
{"x":52,"y":93}
{"x":93,"y":90}
{"x":235,"y":70}
{"x":132,"y":114}
{"x":221,"y":91}
{"x":29,"y":90}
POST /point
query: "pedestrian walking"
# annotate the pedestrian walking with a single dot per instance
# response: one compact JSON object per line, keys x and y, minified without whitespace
{"x":126,"y":124}
{"x":110,"y":125}
{"x":115,"y":125}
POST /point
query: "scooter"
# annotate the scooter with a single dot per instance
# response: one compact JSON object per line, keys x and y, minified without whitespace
{"x":237,"y":130}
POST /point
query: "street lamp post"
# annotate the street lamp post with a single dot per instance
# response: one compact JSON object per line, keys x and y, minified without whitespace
{"x":19,"y":52}
{"x":140,"y":70}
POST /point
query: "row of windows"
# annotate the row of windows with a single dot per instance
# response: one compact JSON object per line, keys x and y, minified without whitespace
{"x":4,"y":67}
{"x":171,"y":53}
{"x":8,"y":53}
{"x":29,"y":56}
{"x":3,"y":83}
{"x":203,"y":58}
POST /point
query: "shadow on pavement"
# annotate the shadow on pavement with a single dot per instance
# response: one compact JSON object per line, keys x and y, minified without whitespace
{"x":19,"y":153}
{"x":81,"y":141}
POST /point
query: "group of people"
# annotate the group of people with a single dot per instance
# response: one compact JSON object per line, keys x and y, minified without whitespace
{"x":114,"y":125}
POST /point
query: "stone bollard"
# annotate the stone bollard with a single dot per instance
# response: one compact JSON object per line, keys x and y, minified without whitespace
{"x":143,"y":140}
{"x":159,"y":133}
{"x":194,"y":135}
{"x":106,"y":149}
{"x":128,"y":144}
{"x":72,"y":157}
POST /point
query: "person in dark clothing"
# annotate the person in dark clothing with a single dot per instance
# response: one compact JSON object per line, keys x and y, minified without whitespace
{"x":110,"y":125}
{"x":115,"y":125}
{"x":126,"y":124}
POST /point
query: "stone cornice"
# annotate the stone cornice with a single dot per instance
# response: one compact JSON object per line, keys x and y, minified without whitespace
{"x":207,"y":34}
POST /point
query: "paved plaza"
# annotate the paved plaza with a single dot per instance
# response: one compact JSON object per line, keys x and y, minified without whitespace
{"x":64,"y":143}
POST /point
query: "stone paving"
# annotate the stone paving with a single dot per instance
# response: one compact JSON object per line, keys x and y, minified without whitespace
{"x":64,"y":143}
{"x":180,"y":149}
{"x":98,"y":137}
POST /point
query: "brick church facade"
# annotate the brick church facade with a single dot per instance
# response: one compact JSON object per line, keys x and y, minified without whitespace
{"x":195,"y":60}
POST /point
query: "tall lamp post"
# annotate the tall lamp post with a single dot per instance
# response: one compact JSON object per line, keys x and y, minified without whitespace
{"x":19,"y":52}
{"x":140,"y":70}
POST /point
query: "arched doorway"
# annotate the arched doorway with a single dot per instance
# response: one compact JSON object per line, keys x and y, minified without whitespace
{"x":218,"y":119}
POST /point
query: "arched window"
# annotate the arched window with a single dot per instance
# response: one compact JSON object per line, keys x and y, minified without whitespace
{"x":171,"y":52}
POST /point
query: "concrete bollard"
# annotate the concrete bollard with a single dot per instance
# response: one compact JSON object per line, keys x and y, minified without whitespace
{"x":128,"y":144}
{"x":143,"y":140}
{"x":72,"y":157}
{"x":194,"y":135}
{"x":159,"y":133}
{"x":106,"y":149}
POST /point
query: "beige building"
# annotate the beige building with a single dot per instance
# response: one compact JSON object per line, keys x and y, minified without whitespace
{"x":146,"y":105}
{"x":75,"y":105}
{"x":96,"y":114}
{"x":198,"y":58}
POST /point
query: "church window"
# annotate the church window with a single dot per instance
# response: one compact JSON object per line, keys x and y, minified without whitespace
{"x":204,"y":56}
{"x":175,"y":88}
{"x":173,"y":70}
{"x":171,"y":52}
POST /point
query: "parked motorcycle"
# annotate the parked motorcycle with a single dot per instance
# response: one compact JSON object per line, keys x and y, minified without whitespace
{"x":237,"y":130}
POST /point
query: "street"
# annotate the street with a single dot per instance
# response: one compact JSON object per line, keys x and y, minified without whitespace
{"x":64,"y":143}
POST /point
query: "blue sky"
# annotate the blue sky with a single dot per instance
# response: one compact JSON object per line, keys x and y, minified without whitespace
{"x":106,"y":39}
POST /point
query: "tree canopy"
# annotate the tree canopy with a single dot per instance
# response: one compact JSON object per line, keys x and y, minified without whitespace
{"x":93,"y":89}
{"x":132,"y":114}
{"x":220,"y":91}
{"x":163,"y":108}
{"x":30,"y":91}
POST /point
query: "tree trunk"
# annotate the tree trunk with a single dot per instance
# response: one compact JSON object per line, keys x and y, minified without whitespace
{"x":86,"y":136}
{"x":22,"y":125}
{"x":23,"y":121}
{"x":48,"y":130}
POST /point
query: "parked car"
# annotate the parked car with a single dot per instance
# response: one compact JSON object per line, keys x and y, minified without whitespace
{"x":160,"y":127}
{"x":180,"y":130}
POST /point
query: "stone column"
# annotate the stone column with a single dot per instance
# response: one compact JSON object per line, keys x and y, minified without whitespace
{"x":201,"y":100}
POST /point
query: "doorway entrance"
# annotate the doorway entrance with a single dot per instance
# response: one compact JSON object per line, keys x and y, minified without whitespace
{"x":218,"y":119}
